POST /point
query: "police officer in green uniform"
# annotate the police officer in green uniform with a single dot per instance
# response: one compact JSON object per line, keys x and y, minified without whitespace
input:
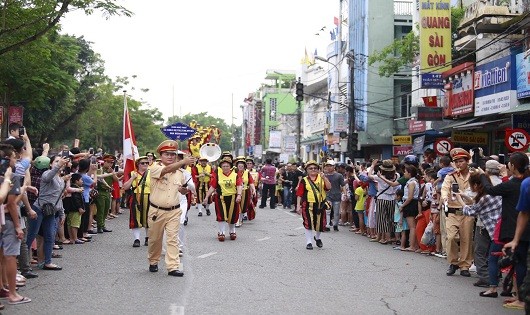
{"x":104,"y":187}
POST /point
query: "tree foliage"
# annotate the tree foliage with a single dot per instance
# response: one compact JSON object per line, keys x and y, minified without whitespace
{"x":22,"y":22}
{"x":402,"y":52}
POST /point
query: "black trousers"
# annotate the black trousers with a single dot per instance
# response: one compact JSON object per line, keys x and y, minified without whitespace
{"x":269,"y":190}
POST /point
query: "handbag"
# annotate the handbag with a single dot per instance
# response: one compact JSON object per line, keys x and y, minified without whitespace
{"x":49,"y":209}
{"x":93,"y":193}
{"x":428,"y":238}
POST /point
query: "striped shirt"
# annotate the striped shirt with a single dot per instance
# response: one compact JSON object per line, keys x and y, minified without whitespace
{"x":488,"y":209}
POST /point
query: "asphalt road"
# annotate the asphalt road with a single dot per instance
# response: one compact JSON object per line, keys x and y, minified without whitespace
{"x":267,"y":270}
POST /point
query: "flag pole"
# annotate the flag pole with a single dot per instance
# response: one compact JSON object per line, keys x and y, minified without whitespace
{"x":127,"y":121}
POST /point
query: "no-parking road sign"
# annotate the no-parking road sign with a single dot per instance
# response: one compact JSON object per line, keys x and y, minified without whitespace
{"x":516,"y":140}
{"x":443,"y":146}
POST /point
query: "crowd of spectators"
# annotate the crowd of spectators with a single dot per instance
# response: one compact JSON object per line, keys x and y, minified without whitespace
{"x":50,"y":199}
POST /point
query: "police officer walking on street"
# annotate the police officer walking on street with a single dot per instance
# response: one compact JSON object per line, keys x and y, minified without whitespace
{"x":167,"y":185}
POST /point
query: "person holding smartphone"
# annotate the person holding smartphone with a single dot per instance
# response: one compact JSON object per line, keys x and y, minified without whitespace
{"x":459,"y":255}
{"x":104,"y":188}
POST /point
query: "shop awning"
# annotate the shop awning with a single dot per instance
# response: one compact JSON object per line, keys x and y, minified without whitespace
{"x":459,"y":123}
{"x":479,"y":124}
{"x":312,"y":139}
{"x":519,"y":109}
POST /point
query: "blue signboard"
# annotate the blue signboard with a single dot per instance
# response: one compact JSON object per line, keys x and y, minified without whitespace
{"x":432,"y":81}
{"x":523,"y":76}
{"x":495,"y":86}
{"x":521,"y":121}
{"x":178,"y":131}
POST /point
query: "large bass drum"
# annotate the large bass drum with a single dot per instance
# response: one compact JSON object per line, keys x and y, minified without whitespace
{"x":211,"y":151}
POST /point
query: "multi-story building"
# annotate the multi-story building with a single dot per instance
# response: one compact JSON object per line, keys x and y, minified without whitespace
{"x":379,"y":101}
{"x":274,"y":109}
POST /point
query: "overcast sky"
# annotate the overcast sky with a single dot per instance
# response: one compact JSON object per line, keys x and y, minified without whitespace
{"x":207,"y":50}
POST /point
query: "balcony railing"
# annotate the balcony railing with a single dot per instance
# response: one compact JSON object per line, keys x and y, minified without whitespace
{"x":403,"y":7}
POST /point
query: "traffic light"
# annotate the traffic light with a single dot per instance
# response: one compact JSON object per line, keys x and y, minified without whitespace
{"x":354,"y":140}
{"x":299,"y":91}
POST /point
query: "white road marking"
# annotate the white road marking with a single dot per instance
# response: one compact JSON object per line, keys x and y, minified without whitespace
{"x":207,"y":255}
{"x":299,"y":228}
{"x":290,"y":213}
{"x":264,"y":239}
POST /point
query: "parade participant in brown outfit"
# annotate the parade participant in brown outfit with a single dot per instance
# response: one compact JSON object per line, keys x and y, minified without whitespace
{"x":167,"y":185}
{"x":228,"y":186}
{"x":249,"y":190}
{"x":311,"y":193}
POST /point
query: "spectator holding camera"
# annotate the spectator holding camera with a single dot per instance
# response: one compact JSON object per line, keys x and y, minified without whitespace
{"x":12,"y":232}
{"x":487,"y":209}
{"x":14,"y":131}
{"x":52,"y":186}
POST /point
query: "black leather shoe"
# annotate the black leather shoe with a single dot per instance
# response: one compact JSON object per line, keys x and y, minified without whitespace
{"x":326,"y":229}
{"x":153,"y":268}
{"x":208,"y":212}
{"x":465,"y":273}
{"x":491,"y":294}
{"x":261,"y":207}
{"x":100,"y":231}
{"x":309,"y":246}
{"x":146,"y":242}
{"x":319,"y":242}
{"x":136,"y":243}
{"x":481,"y":283}
{"x":186,"y":222}
{"x":335,"y":228}
{"x":452,"y":269}
{"x":106,"y":230}
{"x":200,"y":214}
{"x":29,"y":274}
{"x":175,"y":273}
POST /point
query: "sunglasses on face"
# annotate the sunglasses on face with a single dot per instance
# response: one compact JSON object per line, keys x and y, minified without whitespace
{"x":143,"y":163}
{"x":312,"y":168}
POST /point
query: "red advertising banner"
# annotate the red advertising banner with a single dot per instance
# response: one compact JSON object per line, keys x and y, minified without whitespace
{"x":15,"y":114}
{"x":459,"y":99}
{"x":416,"y":126}
{"x":402,"y":150}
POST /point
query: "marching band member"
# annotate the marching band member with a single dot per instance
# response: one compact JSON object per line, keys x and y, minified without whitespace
{"x":228,"y":186}
{"x":140,"y":182}
{"x":249,"y":190}
{"x":256,"y":177}
{"x":202,"y":178}
{"x":311,"y":193}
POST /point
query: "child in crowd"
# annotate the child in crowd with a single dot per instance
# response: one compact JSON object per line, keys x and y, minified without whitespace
{"x":435,"y":211}
{"x":74,"y":207}
{"x":400,"y":224}
{"x":360,"y":199}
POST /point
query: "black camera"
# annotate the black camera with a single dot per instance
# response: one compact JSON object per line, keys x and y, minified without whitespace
{"x":21,"y":131}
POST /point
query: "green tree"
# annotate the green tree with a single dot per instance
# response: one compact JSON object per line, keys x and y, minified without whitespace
{"x":42,"y":78}
{"x":402,"y":52}
{"x":22,"y":22}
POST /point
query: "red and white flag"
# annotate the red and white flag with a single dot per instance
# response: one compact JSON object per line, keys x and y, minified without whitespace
{"x":130,"y":150}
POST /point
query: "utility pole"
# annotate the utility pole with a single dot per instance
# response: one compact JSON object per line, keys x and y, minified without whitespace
{"x":353,"y":139}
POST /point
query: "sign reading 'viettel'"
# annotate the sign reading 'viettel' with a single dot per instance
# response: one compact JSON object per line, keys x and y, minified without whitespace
{"x":400,"y":140}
